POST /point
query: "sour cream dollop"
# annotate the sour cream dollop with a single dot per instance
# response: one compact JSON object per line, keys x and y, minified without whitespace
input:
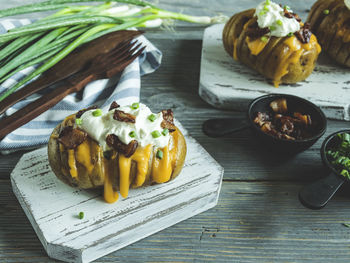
{"x":347,"y":3}
{"x":98,"y":127}
{"x":271,"y":15}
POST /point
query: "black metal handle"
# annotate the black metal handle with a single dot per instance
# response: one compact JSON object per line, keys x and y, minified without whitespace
{"x":317,"y":194}
{"x":220,"y":127}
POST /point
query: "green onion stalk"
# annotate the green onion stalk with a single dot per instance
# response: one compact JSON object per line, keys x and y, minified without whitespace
{"x":47,"y":41}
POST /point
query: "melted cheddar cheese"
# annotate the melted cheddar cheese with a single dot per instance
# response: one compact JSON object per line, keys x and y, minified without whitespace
{"x":120,"y":166}
{"x":292,"y":52}
{"x":256,"y":45}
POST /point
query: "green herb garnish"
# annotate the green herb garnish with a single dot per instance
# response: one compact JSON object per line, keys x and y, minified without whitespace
{"x":279,"y":22}
{"x":272,"y":28}
{"x":132,"y":134}
{"x":156,"y":134}
{"x":345,"y":173}
{"x":97,"y":113}
{"x":152,"y":117}
{"x":326,"y":11}
{"x":286,"y":7}
{"x":165,"y":132}
{"x":267,"y":2}
{"x":81,"y":215}
{"x":78,"y":121}
{"x":266,"y":8}
{"x":339,"y":154}
{"x":264,"y":39}
{"x":159,"y":154}
{"x":345,"y":224}
{"x":290,"y":34}
{"x":135,"y":105}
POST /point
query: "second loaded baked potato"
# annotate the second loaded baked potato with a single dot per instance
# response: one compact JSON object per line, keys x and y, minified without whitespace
{"x":273,"y":41}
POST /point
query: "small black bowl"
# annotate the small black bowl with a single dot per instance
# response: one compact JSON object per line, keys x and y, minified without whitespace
{"x":295,"y":104}
{"x":221,"y":127}
{"x":318,"y":194}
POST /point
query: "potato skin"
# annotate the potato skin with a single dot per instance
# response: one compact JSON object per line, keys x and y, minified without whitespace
{"x":268,"y":61}
{"x":332,"y":29}
{"x":59,"y":164}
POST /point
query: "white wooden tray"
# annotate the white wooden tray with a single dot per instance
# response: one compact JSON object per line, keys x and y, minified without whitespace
{"x":227,"y":84}
{"x":53,"y":207}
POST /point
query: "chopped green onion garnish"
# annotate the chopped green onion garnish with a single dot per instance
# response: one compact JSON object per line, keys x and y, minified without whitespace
{"x":132,"y":134}
{"x":286,"y":7}
{"x":47,"y":41}
{"x":264,"y":39}
{"x":159,"y":154}
{"x":152,"y":117}
{"x":290,"y":34}
{"x":326,"y":11}
{"x":165,"y":131}
{"x":97,"y":113}
{"x":78,"y":121}
{"x":345,"y":224}
{"x":266,"y":8}
{"x":156,"y":134}
{"x":81,"y":215}
{"x":346,"y":137}
{"x":267,"y":2}
{"x":279,"y":22}
{"x":339,"y":154}
{"x":272,"y":28}
{"x":135,"y":105}
{"x":345,"y":173}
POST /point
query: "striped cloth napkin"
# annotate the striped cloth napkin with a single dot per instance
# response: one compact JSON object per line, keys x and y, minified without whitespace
{"x":125,"y":89}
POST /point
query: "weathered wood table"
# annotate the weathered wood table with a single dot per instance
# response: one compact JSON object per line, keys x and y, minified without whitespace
{"x":258,"y":217}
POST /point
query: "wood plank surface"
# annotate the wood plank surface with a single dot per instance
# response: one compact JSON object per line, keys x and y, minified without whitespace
{"x":258,"y":217}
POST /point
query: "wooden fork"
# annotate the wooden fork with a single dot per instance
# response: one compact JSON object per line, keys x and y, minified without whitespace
{"x":104,"y":66}
{"x":70,"y":65}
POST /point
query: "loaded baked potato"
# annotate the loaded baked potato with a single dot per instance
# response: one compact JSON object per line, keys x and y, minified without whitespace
{"x":273,"y":41}
{"x":126,"y":147}
{"x":330,"y":20}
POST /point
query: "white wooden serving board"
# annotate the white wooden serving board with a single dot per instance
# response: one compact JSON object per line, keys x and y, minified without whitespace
{"x":227,"y":84}
{"x":53,"y":207}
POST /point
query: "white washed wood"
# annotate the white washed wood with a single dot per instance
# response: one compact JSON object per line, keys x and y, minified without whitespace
{"x":227,"y":84}
{"x":52,"y":207}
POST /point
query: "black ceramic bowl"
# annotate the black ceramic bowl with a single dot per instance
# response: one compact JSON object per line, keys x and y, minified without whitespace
{"x":317,"y":194}
{"x":221,"y":127}
{"x":295,"y":104}
{"x":327,"y":144}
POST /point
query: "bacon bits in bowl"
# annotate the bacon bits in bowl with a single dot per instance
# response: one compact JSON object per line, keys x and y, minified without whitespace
{"x":286,"y":123}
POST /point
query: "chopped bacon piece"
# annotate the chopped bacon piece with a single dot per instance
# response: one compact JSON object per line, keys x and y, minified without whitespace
{"x":71,"y":138}
{"x":168,"y":120}
{"x":123,"y":116}
{"x":304,"y":34}
{"x":287,"y":125}
{"x":279,"y":105}
{"x":305,"y":119}
{"x":261,"y":118}
{"x":81,"y":112}
{"x":126,"y":149}
{"x":254,"y":31}
{"x":291,"y":15}
{"x":284,"y":124}
{"x":113,"y":106}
